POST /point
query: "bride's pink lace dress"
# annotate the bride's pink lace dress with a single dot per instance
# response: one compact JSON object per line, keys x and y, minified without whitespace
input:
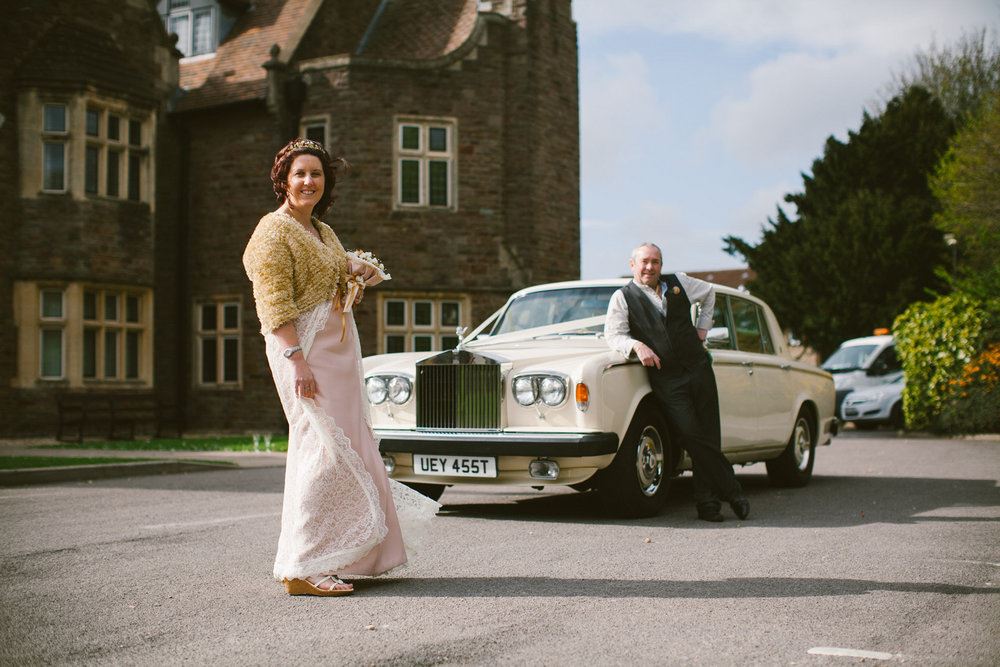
{"x":341,"y":513}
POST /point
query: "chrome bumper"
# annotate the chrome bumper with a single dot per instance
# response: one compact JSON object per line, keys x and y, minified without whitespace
{"x":497,"y":444}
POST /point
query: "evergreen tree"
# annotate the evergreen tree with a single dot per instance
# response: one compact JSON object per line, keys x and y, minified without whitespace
{"x":864,"y":244}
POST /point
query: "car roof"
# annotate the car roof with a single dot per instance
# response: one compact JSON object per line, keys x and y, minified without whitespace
{"x":868,"y":340}
{"x":606,"y":282}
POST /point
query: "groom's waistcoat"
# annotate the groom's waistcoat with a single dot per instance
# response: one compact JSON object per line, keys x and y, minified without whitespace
{"x":673,"y":337}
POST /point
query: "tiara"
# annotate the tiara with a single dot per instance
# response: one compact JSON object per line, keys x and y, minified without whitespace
{"x":306,"y":143}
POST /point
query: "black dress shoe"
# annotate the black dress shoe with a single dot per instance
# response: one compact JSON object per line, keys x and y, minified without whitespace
{"x":710,"y":514}
{"x":741,"y":507}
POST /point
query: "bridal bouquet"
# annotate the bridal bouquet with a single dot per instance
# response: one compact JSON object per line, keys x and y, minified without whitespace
{"x":355,"y":283}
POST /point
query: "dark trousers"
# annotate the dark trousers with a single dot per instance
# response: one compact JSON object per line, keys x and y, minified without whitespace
{"x":690,"y":401}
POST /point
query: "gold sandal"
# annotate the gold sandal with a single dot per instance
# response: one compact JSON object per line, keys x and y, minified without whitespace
{"x":306,"y":587}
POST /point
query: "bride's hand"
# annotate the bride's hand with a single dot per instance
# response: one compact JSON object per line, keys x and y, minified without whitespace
{"x":366,"y":271}
{"x":305,"y":383}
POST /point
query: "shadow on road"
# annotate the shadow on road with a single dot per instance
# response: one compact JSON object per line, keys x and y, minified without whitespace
{"x":827,"y":502}
{"x":736,"y":587}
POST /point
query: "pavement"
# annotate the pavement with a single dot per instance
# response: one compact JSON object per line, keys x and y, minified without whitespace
{"x":167,"y":462}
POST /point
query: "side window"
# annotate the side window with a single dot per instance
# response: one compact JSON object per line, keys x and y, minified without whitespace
{"x":720,"y":336}
{"x":746,"y":325}
{"x":886,"y":362}
{"x":765,"y":332}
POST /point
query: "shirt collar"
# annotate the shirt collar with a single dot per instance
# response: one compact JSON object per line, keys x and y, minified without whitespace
{"x":658,"y":291}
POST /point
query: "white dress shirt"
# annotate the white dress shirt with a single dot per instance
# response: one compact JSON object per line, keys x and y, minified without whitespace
{"x":616,"y":331}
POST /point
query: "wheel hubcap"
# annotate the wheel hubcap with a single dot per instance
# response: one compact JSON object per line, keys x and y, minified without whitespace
{"x":803,"y":445}
{"x":649,"y":461}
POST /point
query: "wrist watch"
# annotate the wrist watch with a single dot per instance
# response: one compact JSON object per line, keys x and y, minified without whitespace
{"x":289,"y":351}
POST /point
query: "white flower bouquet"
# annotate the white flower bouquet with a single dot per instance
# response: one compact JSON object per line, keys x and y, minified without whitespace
{"x":355,"y":283}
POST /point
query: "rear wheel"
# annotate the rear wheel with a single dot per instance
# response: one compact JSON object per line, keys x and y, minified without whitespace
{"x":794,"y":465}
{"x":432,"y":491}
{"x":635,"y":484}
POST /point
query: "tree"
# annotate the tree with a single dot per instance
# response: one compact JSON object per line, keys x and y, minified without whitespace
{"x":864,"y":245}
{"x":960,"y":75}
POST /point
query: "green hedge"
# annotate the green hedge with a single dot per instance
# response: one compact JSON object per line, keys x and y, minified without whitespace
{"x":935,"y":342}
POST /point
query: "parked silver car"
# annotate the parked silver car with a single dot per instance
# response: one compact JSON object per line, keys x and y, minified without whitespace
{"x":882,"y":404}
{"x":535,"y":397}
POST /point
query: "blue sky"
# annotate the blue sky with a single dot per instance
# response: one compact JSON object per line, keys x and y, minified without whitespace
{"x":697,"y":116}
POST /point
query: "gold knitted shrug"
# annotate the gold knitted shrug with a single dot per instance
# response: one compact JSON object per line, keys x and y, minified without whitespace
{"x":291,"y":270}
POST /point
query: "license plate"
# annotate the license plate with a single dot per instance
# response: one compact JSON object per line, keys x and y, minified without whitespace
{"x":455,"y":466}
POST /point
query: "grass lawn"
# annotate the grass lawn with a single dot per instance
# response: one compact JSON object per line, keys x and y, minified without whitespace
{"x":16,"y":462}
{"x":238,"y":443}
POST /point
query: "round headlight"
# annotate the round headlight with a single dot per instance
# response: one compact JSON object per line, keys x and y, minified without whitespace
{"x":399,"y":390}
{"x":552,"y":390}
{"x":524,"y":391}
{"x":376,"y":389}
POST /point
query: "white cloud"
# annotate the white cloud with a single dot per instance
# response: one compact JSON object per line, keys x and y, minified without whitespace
{"x":748,"y":219}
{"x":619,"y":111}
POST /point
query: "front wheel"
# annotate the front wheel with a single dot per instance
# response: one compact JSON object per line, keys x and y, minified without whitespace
{"x":794,"y":465}
{"x":635,"y":484}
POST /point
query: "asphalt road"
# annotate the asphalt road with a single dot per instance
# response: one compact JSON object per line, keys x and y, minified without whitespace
{"x":894,"y":549}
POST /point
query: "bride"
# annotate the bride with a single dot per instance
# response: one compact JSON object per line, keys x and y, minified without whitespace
{"x":341,"y":514}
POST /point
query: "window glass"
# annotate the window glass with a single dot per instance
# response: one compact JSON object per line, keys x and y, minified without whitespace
{"x":395,"y":343}
{"x":114,"y":127}
{"x":209,"y":360}
{"x":134,"y":132}
{"x":90,"y":353}
{"x":720,"y":336}
{"x":52,"y":353}
{"x":395,"y":313}
{"x":747,"y":325}
{"x":111,"y":307}
{"x":110,"y":354}
{"x":450,"y":313}
{"x":438,"y":139}
{"x":131,"y":308}
{"x":422,"y":316}
{"x":181,"y":24}
{"x":132,"y":355}
{"x":849,"y":358}
{"x":765,"y":333}
{"x":438,"y":183}
{"x":54,"y":117}
{"x":317,"y":133}
{"x":90,"y":305}
{"x":208,"y":316}
{"x":201,"y":36}
{"x":93,"y":122}
{"x":92,"y":163}
{"x":134,"y":165}
{"x":539,"y":309}
{"x":113,"y":173}
{"x":409,"y":181}
{"x":423,"y":343}
{"x":230,"y":360}
{"x":52,"y":304}
{"x":411,"y":137}
{"x":231,"y":316}
{"x":54,"y":166}
{"x":449,"y":342}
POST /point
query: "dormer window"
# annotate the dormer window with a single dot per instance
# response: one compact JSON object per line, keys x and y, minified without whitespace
{"x":195,"y":23}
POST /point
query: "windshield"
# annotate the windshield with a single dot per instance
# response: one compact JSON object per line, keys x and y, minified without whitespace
{"x":848,"y":358}
{"x":539,"y":309}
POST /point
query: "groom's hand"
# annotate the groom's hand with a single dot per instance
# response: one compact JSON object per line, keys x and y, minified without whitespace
{"x":646,"y":355}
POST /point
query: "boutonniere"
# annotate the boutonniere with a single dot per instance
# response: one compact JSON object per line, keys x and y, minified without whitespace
{"x":677,"y":290}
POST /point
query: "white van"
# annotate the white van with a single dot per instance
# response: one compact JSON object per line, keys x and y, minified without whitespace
{"x":860,"y":363}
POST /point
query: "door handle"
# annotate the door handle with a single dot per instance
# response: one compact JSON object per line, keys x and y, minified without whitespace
{"x":747,"y":365}
{"x":786,"y":367}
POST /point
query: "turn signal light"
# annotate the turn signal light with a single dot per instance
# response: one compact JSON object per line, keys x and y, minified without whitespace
{"x":582,"y":397}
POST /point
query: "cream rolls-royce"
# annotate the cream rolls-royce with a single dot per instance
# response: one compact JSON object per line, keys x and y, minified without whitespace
{"x":535,"y":397}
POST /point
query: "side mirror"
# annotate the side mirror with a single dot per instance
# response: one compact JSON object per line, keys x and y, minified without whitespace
{"x":718,"y":338}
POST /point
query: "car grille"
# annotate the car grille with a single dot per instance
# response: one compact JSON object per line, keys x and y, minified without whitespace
{"x":459,"y":396}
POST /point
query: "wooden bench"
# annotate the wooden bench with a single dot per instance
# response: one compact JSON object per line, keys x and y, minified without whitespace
{"x":112,"y":415}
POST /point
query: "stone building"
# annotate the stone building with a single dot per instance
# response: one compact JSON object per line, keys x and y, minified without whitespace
{"x":460,"y":119}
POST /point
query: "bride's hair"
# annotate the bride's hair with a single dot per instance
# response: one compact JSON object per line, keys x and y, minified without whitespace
{"x":331,"y":167}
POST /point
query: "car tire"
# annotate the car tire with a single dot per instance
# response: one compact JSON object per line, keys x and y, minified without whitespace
{"x":635,"y":484}
{"x":794,"y":466}
{"x":432,"y":491}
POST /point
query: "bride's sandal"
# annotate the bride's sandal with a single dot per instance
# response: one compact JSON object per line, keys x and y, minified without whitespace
{"x":306,"y":587}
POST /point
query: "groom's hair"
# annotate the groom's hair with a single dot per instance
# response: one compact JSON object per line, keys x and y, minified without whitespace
{"x":646,"y":244}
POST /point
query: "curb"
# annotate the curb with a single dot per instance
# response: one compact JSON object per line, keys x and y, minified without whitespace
{"x":22,"y":476}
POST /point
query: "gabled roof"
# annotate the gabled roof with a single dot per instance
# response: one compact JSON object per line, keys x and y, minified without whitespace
{"x":420,"y":29}
{"x":235,"y":72}
{"x":728,"y":277}
{"x":399,"y":31}
{"x":74,"y":55}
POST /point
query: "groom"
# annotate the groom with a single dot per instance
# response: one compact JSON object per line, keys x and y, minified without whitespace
{"x":650,"y":317}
